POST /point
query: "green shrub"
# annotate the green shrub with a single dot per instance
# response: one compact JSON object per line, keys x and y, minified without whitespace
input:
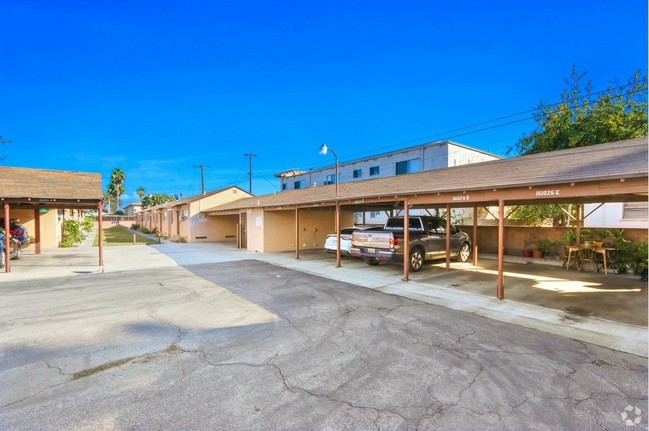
{"x":72,"y":233}
{"x":89,"y":223}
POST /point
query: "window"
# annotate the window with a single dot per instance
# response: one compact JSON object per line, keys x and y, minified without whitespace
{"x":331,"y":179}
{"x":374,"y":170}
{"x":358,"y":173}
{"x":397,"y":223}
{"x":635,"y":211}
{"x":375,"y":214}
{"x":436,"y":226}
{"x":283,"y":186}
{"x":408,"y":166}
{"x":298,"y":184}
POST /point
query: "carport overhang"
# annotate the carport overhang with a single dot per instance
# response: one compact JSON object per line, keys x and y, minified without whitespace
{"x":36,"y":189}
{"x":613,"y":172}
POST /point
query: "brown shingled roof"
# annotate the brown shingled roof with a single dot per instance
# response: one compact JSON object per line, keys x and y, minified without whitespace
{"x":49,"y":184}
{"x":623,"y":159}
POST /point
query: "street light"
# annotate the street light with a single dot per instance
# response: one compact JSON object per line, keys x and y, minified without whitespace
{"x":323,"y":150}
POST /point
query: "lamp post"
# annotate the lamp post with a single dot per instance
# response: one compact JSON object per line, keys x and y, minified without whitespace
{"x":323,"y":150}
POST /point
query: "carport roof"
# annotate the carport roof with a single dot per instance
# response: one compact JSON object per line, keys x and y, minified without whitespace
{"x":617,"y":161}
{"x":49,"y":187}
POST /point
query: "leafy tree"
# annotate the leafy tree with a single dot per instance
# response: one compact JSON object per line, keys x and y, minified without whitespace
{"x":583,"y":118}
{"x":116,"y":187}
{"x":155,"y":199}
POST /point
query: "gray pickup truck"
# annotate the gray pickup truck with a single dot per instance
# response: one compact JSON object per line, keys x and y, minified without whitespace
{"x":427,"y":236}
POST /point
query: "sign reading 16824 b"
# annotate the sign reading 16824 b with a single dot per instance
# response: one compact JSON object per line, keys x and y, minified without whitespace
{"x":542,"y":193}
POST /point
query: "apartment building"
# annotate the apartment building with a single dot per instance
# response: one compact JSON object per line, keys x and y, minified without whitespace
{"x":426,"y":157}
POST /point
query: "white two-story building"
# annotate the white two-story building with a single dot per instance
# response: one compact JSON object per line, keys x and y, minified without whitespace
{"x":426,"y":157}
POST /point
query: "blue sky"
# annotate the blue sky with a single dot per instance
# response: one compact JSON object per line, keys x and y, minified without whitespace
{"x":158,"y":88}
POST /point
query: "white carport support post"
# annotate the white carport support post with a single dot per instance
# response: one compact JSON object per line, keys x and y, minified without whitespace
{"x":500,"y":289}
{"x":406,"y":241}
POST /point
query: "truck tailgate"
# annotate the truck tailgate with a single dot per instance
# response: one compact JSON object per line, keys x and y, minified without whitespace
{"x":374,"y":239}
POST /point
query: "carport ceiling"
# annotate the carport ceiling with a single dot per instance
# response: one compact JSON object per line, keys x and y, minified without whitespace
{"x":34,"y":188}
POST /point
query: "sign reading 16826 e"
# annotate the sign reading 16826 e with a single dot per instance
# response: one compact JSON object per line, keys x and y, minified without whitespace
{"x":543,"y":193}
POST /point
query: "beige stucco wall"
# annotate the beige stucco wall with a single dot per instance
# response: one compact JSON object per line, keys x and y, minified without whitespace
{"x":213,"y":229}
{"x":515,"y":236}
{"x":255,"y":230}
{"x":277,"y":230}
{"x":50,"y":230}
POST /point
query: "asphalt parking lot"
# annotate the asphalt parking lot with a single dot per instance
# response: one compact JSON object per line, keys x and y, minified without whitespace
{"x":167,"y":338}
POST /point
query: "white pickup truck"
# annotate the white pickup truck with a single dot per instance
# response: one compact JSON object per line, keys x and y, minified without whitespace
{"x":427,"y":237}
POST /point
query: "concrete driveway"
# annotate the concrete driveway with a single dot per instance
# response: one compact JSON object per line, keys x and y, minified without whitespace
{"x":234,"y":342}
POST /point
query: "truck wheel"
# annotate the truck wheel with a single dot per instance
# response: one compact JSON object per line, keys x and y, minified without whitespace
{"x":464,"y":253}
{"x":372,"y":261}
{"x":416,"y":260}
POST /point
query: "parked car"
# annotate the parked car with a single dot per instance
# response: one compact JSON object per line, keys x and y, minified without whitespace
{"x":18,"y":231}
{"x":331,"y":243}
{"x":427,"y":241}
{"x":16,"y":248}
{"x":345,"y":239}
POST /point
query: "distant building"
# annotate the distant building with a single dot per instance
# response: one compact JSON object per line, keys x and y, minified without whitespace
{"x":617,"y":215}
{"x":132,"y":209}
{"x":184,"y":220}
{"x":426,"y":157}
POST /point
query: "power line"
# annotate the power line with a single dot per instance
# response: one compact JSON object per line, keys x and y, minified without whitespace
{"x":450,"y":134}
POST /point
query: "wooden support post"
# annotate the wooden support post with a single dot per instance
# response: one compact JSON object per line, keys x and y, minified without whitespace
{"x":37,"y":228}
{"x":297,"y":233}
{"x":406,"y":241}
{"x":448,"y":237}
{"x":500,"y":290}
{"x":475,"y":236}
{"x":7,"y":230}
{"x":100,"y":234}
{"x":337,"y":233}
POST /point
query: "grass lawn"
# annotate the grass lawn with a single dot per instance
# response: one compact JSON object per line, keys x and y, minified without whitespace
{"x":119,"y":235}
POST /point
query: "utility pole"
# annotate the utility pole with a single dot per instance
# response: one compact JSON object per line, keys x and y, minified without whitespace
{"x":202,"y":177}
{"x":250,"y":156}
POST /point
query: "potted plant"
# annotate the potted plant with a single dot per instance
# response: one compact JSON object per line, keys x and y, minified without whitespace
{"x":527,"y":252}
{"x":545,"y":247}
{"x":570,"y":237}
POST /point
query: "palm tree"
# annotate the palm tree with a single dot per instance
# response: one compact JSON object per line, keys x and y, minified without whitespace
{"x":141,"y":192}
{"x":116,"y":186}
